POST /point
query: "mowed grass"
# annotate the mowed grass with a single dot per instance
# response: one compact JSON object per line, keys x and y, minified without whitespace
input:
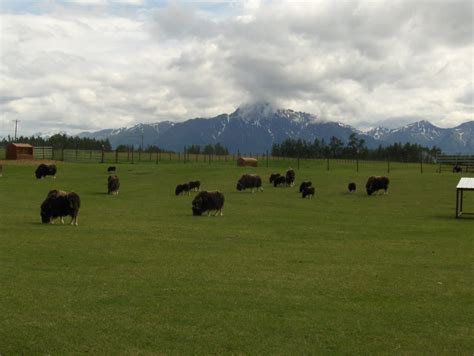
{"x":340,"y":273}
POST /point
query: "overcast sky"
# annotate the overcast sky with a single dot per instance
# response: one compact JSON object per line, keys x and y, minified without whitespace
{"x":93,"y":64}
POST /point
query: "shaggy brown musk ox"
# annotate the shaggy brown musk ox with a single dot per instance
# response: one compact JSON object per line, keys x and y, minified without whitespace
{"x":351,"y":187}
{"x":58,"y":204}
{"x":375,"y":183}
{"x":250,"y":181}
{"x":44,"y":170}
{"x":208,"y":201}
{"x":307,"y":192}
{"x":113,"y":185}
{"x":290,"y":177}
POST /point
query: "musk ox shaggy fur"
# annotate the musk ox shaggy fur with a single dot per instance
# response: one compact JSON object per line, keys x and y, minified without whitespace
{"x":113,"y":185}
{"x":305,"y":185}
{"x":457,"y":169}
{"x":58,"y":204}
{"x":194,"y":185}
{"x":290,"y":177}
{"x":44,"y":170}
{"x":273,"y":176}
{"x":111,"y":169}
{"x":307,"y":192}
{"x":375,"y":184}
{"x":351,"y":187}
{"x":280,"y":180}
{"x":250,"y":181}
{"x":182,"y":189}
{"x":208,"y":201}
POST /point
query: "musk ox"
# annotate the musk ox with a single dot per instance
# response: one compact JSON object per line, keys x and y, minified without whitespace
{"x":280,"y":180}
{"x":250,"y":181}
{"x":374,"y":184}
{"x":208,"y":201}
{"x":113,"y":185}
{"x":351,"y":187}
{"x":194,"y":185}
{"x":307,"y":192}
{"x":44,"y":170}
{"x":457,"y":169}
{"x":290,"y":177}
{"x":182,"y":189}
{"x":273,"y":176}
{"x":111,"y":169}
{"x":59,"y":204}
{"x":305,"y":185}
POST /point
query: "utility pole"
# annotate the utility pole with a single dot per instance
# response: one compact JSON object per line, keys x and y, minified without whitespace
{"x":16,"y":126}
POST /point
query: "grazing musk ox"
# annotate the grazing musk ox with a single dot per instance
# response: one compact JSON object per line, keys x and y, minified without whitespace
{"x":307,"y":192}
{"x":305,"y":185}
{"x":375,"y":183}
{"x":457,"y":169}
{"x":208,"y":201}
{"x":250,"y":181}
{"x":113,"y":185}
{"x":182,"y":189}
{"x":290,"y":177}
{"x":111,"y":169}
{"x":273,"y":176}
{"x":58,"y":204}
{"x":194,"y":185}
{"x":280,"y":180}
{"x":44,"y":170}
{"x":351,"y":187}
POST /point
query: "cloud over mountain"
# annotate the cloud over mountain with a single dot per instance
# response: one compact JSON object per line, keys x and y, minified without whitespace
{"x":96,"y":64}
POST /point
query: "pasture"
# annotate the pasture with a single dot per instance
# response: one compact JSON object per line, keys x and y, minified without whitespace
{"x":338,"y":274}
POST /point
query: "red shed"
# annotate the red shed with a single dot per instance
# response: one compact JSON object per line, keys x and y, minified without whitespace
{"x":19,"y":151}
{"x":247,"y":161}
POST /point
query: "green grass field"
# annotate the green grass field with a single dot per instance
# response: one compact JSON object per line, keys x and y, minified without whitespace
{"x":337,"y":274}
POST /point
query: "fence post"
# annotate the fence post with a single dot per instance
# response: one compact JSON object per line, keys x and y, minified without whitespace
{"x":159,"y":155}
{"x":357,"y":163}
{"x":133,"y":149}
{"x":267,"y":158}
{"x":388,"y":165}
{"x":116,"y":155}
{"x":421,"y":162}
{"x":90,"y":155}
{"x":62,"y":154}
{"x":128,"y":153}
{"x":43,"y":151}
{"x":209,"y":158}
{"x":103,"y":148}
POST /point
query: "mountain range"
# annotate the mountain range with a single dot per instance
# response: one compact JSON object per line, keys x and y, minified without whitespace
{"x":254,"y":128}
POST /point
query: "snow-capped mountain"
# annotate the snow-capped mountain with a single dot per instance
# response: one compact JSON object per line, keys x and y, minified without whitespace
{"x":459,"y":139}
{"x":255,"y":127}
{"x":132,"y":135}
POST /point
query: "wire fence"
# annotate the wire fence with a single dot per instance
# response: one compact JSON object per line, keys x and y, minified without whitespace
{"x":442,"y":163}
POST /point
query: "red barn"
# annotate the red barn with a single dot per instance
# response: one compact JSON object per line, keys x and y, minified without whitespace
{"x":19,"y":151}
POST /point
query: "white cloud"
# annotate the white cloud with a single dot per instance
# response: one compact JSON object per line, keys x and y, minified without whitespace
{"x":91,"y":64}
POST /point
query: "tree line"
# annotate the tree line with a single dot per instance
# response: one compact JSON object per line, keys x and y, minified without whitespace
{"x":59,"y":141}
{"x":354,"y":148}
